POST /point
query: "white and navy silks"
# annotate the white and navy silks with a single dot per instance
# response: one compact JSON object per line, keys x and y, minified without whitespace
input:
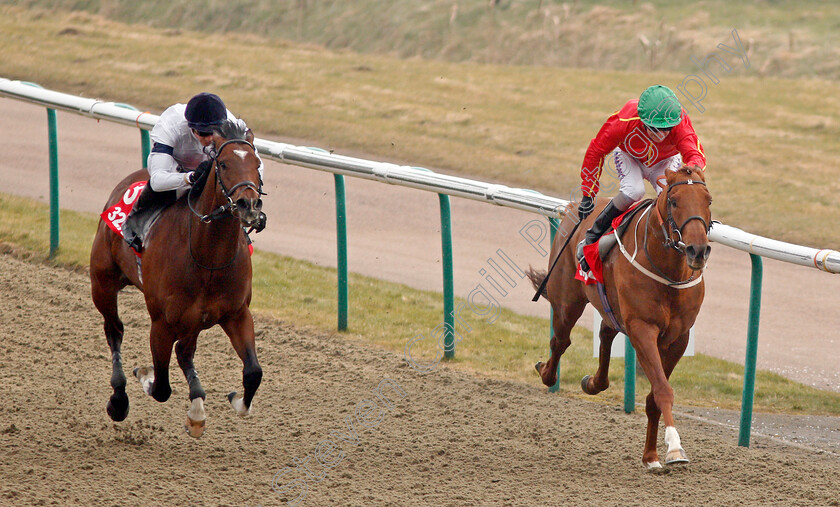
{"x":177,"y":151}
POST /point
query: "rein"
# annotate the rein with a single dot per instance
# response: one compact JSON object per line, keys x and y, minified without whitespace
{"x":221,"y":211}
{"x":669,"y":242}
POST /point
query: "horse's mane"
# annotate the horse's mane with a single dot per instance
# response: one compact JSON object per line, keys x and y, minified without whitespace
{"x":229,"y":129}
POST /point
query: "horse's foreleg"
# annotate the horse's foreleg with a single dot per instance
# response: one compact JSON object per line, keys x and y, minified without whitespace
{"x":670,"y":357}
{"x":240,"y":330}
{"x":564,"y":319}
{"x":184,"y":352}
{"x":658,"y":367}
{"x":601,"y":381}
{"x":650,"y":456}
{"x":156,"y":384}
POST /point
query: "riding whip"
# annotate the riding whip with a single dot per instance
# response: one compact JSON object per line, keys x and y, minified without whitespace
{"x":545,"y":280}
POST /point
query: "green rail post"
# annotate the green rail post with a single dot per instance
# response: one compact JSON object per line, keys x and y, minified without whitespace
{"x":145,"y":141}
{"x":752,"y":352}
{"x":52,"y":136}
{"x":448,"y":285}
{"x":52,"y":129}
{"x":341,"y":233}
{"x":145,"y":147}
{"x":629,"y":376}
{"x":553,"y":225}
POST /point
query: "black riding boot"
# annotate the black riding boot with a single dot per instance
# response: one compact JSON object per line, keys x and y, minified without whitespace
{"x":143,"y":214}
{"x":601,"y":225}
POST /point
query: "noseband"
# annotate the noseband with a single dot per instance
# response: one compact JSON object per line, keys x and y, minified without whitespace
{"x":230,"y":206}
{"x":673,"y":229}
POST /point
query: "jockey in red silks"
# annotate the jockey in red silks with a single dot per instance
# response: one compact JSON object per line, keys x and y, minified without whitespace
{"x":646,"y":137}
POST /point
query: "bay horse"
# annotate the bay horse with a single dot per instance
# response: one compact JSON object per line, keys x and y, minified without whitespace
{"x":654,"y":298}
{"x":196,"y":273}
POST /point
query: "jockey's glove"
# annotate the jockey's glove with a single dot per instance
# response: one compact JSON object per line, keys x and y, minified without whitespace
{"x":587,"y":204}
{"x":192,"y":176}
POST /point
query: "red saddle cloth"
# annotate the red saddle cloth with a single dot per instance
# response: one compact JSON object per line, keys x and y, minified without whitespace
{"x":114,"y":217}
{"x":590,"y":253}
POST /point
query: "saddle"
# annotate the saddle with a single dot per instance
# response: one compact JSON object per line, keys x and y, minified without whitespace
{"x":143,"y":214}
{"x":608,"y":241}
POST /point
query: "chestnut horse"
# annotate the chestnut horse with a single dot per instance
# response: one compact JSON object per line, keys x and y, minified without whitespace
{"x":655,"y":296}
{"x":196,"y":273}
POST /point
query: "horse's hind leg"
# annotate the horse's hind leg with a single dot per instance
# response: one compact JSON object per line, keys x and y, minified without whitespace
{"x":564,"y":319}
{"x":659,"y":402}
{"x":601,"y":380}
{"x":185,"y":351}
{"x":106,"y":281}
{"x":240,"y":330}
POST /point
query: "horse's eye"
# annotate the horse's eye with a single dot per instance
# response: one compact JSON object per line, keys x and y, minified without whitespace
{"x":672,"y":203}
{"x":222,"y":165}
{"x":710,"y":202}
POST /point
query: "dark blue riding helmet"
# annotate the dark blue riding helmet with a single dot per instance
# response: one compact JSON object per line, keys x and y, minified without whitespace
{"x":204,"y":111}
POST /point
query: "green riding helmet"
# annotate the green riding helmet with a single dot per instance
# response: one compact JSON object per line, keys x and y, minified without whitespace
{"x":659,"y":107}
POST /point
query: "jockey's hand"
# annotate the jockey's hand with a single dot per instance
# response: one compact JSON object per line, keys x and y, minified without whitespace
{"x":587,"y":204}
{"x":192,"y":176}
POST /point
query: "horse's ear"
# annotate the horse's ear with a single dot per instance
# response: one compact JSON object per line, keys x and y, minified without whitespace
{"x":249,"y":136}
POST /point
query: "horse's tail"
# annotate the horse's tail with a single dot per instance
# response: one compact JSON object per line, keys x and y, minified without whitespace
{"x":537,"y":278}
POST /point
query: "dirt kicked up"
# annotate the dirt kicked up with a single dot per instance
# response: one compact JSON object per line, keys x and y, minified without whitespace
{"x":334,"y":423}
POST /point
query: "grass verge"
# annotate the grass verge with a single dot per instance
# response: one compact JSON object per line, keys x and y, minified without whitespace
{"x":388,"y":315}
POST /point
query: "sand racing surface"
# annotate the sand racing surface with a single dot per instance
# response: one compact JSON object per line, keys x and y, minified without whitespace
{"x":444,"y":438}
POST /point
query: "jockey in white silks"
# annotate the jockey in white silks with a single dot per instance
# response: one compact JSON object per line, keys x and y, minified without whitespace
{"x":181,"y":151}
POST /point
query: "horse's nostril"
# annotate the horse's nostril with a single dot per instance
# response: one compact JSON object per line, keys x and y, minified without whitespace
{"x":691,"y":251}
{"x":242,"y":204}
{"x":258,"y":205}
{"x":707,"y":252}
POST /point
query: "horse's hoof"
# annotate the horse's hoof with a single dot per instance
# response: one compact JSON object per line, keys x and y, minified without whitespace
{"x":238,"y":404}
{"x":194,"y":428}
{"x":538,"y":366}
{"x":676,"y":456}
{"x":118,"y":407}
{"x":584,"y":384}
{"x":653,"y":465}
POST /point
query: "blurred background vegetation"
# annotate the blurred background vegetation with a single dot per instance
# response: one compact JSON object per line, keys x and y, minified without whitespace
{"x":784,"y":38}
{"x":408,"y":82}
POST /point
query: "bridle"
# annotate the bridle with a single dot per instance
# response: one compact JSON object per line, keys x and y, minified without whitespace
{"x":229,"y":206}
{"x":669,"y":242}
{"x":222,"y":211}
{"x":673,"y":229}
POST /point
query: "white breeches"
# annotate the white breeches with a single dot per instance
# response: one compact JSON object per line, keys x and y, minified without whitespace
{"x":632,"y":173}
